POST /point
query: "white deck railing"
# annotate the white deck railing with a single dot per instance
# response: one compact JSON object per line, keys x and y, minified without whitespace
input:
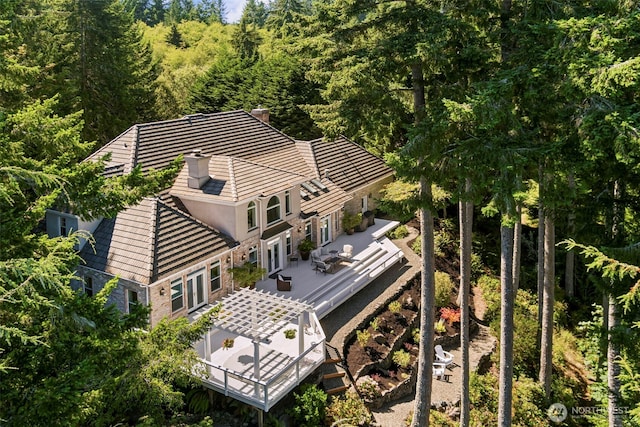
{"x":259,"y":393}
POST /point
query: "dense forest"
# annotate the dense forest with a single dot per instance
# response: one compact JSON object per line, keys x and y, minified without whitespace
{"x":525,"y":114}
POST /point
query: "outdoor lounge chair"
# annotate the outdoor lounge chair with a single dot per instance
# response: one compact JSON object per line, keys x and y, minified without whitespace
{"x":440,"y":371}
{"x":283,"y":283}
{"x":443,"y":356}
{"x":347,"y":252}
{"x":323,"y":266}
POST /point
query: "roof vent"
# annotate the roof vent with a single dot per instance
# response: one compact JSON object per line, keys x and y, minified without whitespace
{"x":327,"y":173}
{"x":198,"y":166}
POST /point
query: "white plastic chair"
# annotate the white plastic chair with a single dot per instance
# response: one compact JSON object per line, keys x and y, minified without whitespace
{"x":347,"y":252}
{"x":443,"y":356}
{"x":439,"y":370}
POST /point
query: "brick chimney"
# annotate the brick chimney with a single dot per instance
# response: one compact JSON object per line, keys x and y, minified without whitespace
{"x":198,"y":169}
{"x":261,"y":114}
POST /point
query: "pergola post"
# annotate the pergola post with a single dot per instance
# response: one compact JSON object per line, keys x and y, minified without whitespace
{"x":301,"y":333}
{"x":256,"y":364}
{"x":207,"y":348}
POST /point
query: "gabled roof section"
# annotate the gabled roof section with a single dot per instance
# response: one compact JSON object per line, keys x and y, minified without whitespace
{"x":234,"y":179}
{"x":233,"y":133}
{"x":321,"y":197}
{"x":147,"y":242}
{"x":344,"y":162}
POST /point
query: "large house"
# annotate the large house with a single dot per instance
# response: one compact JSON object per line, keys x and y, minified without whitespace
{"x":247,"y":193}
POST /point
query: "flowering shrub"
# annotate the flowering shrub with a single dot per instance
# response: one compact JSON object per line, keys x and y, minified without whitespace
{"x":369,"y":389}
{"x":450,"y":315}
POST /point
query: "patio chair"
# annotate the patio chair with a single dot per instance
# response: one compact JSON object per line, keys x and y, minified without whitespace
{"x":315,"y":257}
{"x":443,"y":356}
{"x":283,"y":283}
{"x":440,"y":371}
{"x":347,"y":252}
{"x":323,"y":266}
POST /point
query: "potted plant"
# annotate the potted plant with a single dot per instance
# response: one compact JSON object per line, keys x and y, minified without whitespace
{"x":289,"y":334}
{"x":350,"y":221}
{"x":305,"y":247}
{"x":247,"y":274}
{"x":227,"y":343}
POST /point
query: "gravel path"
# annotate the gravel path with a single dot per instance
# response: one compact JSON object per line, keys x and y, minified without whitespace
{"x":344,"y":319}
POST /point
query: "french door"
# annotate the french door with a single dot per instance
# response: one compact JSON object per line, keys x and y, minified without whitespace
{"x":274,"y":255}
{"x":196,"y":295}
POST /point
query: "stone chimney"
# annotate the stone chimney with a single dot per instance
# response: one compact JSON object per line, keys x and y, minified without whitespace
{"x":198,"y":169}
{"x":261,"y":114}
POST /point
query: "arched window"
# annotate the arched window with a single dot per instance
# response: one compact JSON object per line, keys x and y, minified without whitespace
{"x":251,"y":216}
{"x":273,"y":210}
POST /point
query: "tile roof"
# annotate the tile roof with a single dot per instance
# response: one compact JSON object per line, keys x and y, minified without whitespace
{"x":348,"y":165}
{"x":149,"y":241}
{"x":234,"y":179}
{"x":233,"y":133}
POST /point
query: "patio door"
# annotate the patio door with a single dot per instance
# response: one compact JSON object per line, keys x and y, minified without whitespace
{"x":195,"y":290}
{"x":274,"y":255}
{"x":325,"y":230}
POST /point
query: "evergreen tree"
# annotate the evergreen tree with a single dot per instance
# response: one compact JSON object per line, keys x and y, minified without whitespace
{"x":96,"y":60}
{"x":255,"y":13}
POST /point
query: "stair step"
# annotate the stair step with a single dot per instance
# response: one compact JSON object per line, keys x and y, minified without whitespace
{"x":333,"y":375}
{"x":337,"y":389}
{"x":332,"y":361}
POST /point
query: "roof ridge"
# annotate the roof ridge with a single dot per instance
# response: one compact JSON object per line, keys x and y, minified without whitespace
{"x":155,"y":219}
{"x":232,"y":178}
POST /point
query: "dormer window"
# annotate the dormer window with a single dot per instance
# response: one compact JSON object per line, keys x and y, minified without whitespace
{"x":251,"y":216}
{"x":273,"y":210}
{"x":63,"y":226}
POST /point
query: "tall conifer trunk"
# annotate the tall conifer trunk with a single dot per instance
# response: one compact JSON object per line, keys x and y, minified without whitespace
{"x":505,"y":396}
{"x":466,"y":227}
{"x":548,"y":300}
{"x":422,"y":404}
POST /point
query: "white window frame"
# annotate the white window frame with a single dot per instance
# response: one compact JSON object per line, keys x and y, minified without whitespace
{"x":132,"y":298}
{"x":289,"y":243}
{"x":307,"y":230}
{"x":252,"y":214}
{"x":176,"y":293}
{"x":212,"y":278}
{"x":287,"y":202}
{"x":275,"y":208}
{"x":253,"y":255}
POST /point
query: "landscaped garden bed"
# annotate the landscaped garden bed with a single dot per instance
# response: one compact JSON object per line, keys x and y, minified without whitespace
{"x":382,"y":352}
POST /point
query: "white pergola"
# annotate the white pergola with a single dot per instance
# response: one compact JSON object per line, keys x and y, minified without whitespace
{"x":263,"y":365}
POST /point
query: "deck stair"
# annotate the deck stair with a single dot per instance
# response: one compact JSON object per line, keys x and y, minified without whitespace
{"x":335,"y":377}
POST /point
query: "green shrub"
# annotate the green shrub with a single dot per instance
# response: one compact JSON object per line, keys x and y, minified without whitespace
{"x":363,"y":337}
{"x":401,"y":358}
{"x":416,"y":246}
{"x":400,"y":232}
{"x":490,"y":287}
{"x":528,"y":401}
{"x":310,"y":407}
{"x":395,"y":306}
{"x":483,"y":396}
{"x":349,"y":409}
{"x":375,"y":324}
{"x":369,"y":388}
{"x":439,"y":327}
{"x":415,"y":334}
{"x":444,"y":289}
{"x":441,"y":241}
